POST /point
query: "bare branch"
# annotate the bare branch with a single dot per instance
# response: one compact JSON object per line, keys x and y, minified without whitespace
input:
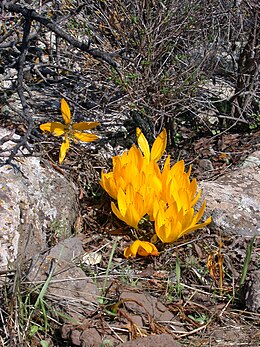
{"x":48,"y":23}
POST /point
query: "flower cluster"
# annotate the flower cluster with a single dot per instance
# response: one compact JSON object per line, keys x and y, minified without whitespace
{"x":166,"y":195}
{"x":69,"y":131}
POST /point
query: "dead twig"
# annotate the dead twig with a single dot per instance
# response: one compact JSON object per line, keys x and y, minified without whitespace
{"x":23,"y":142}
{"x":48,"y":23}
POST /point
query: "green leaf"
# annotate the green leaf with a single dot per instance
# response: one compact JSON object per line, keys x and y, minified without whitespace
{"x":34,"y":329}
{"x":178,"y":275}
{"x":247,"y":261}
{"x":44,"y":343}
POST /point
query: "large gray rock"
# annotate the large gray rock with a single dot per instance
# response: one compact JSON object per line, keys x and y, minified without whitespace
{"x":233,"y":200}
{"x":252,"y":296}
{"x":35,"y":201}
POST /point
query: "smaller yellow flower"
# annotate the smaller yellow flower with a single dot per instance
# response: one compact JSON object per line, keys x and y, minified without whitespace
{"x":143,"y":248}
{"x":171,"y":223}
{"x":68,"y":130}
{"x":131,"y":206}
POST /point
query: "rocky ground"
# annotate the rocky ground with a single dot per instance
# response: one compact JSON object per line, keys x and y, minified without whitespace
{"x":77,"y":289}
{"x":64,"y":280}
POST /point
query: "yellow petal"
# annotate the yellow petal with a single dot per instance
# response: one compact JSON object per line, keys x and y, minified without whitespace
{"x":84,"y":125}
{"x":197,"y":226}
{"x":143,"y":143}
{"x":195,"y":198}
{"x":188,"y":219}
{"x":116,"y":211}
{"x":178,"y":169}
{"x":166,"y":169}
{"x":173,"y":232}
{"x":135,"y":156}
{"x":147,"y":248}
{"x":65,"y":111}
{"x":121,"y":198}
{"x":108,"y":183}
{"x":200,"y":213}
{"x":56,"y":128}
{"x":189,"y":171}
{"x":132,"y":217}
{"x":63,"y":149}
{"x":167,"y":225}
{"x":131,"y":173}
{"x":84,"y":137}
{"x":161,"y":232}
{"x":142,"y":248}
{"x":158,"y":213}
{"x":126,"y":210}
{"x":159,"y":146}
{"x":131,"y":251}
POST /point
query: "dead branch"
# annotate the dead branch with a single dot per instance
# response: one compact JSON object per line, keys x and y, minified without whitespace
{"x":48,"y":23}
{"x":23,"y":142}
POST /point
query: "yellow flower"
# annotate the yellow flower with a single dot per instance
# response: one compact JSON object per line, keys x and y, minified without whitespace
{"x":158,"y":146}
{"x":172,"y":223}
{"x":142,"y":248}
{"x":137,"y":166}
{"x":131,"y":206}
{"x":176,"y":185}
{"x":167,"y":196}
{"x":68,"y":130}
{"x":126,"y":169}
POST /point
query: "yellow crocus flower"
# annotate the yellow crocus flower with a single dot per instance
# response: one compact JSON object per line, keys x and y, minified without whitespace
{"x":126,"y":169}
{"x":137,"y":166}
{"x":143,"y":248}
{"x":158,"y":146}
{"x":69,"y":131}
{"x":172,"y":223}
{"x":167,"y":196}
{"x":176,"y":185}
{"x":131,"y":206}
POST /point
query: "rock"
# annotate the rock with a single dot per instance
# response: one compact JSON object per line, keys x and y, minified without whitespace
{"x":162,"y":340}
{"x":91,"y":338}
{"x":252,"y":160}
{"x":233,"y":200}
{"x":252,"y":297}
{"x":231,"y":334}
{"x":35,"y":201}
{"x":206,"y":165}
{"x":147,"y":307}
{"x":68,"y":280}
{"x":83,"y":335}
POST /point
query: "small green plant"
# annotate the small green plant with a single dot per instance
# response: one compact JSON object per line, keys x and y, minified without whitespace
{"x":44,"y":343}
{"x":200,"y":318}
{"x":102,"y":298}
{"x":33,"y":317}
{"x":254,"y":125}
{"x":33,"y":312}
{"x":174,"y":289}
{"x":247,"y":261}
{"x":178,"y":277}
